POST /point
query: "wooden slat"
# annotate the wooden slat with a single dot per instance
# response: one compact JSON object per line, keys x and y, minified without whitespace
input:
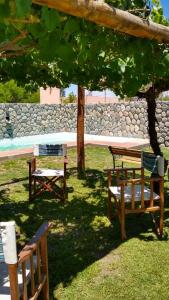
{"x":32,"y":275}
{"x":122,"y":213}
{"x":39,"y":289}
{"x":125,"y":152}
{"x":132,"y":196}
{"x":44,"y":254}
{"x":151,"y":193}
{"x":38,"y":264}
{"x":138,"y":210}
{"x":161,"y":184}
{"x":24,"y":283}
{"x":142,"y":188}
{"x":142,"y":194}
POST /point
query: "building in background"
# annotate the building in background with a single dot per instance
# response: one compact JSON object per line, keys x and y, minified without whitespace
{"x":53,"y":96}
{"x":100,"y":97}
{"x":49,"y":95}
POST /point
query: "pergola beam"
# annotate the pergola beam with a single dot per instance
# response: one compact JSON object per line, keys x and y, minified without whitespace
{"x":103,"y":14}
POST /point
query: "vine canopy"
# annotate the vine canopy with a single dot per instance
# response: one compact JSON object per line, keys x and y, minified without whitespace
{"x":41,"y":46}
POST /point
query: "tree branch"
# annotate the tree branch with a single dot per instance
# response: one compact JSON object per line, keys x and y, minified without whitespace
{"x":154,"y":90}
{"x":11,"y":45}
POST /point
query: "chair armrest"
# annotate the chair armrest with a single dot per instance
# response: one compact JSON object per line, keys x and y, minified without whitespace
{"x":121,"y":169}
{"x":26,"y":252}
{"x":132,"y":181}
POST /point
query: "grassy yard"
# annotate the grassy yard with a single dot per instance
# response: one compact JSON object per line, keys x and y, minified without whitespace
{"x":87,"y":260}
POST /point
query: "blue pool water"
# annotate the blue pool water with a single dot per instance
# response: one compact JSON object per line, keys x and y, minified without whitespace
{"x":30,"y":141}
{"x":58,"y":138}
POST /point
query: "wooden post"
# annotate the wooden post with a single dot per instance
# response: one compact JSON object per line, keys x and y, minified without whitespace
{"x":80,"y":130}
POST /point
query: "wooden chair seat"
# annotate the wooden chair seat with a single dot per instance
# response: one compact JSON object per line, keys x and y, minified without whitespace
{"x":116,"y":191}
{"x":47,"y":173}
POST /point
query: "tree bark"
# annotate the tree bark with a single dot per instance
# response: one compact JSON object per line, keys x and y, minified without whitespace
{"x":80,"y":130}
{"x":103,"y":14}
{"x":151,"y":114}
{"x":151,"y":95}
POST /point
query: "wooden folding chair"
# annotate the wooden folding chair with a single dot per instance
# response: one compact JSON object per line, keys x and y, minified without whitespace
{"x":136,"y":195}
{"x":29,"y":268}
{"x":41,"y":180}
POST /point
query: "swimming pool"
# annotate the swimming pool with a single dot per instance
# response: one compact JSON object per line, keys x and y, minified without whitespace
{"x":57,"y":138}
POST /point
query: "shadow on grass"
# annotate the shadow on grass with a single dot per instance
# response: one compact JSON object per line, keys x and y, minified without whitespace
{"x":81,"y":233}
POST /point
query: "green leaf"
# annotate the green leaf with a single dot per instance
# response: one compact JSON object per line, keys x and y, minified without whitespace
{"x":48,"y":45}
{"x":66,"y":52}
{"x":23,"y":7}
{"x":36,"y":30}
{"x":50,"y":18}
{"x":4,"y":10}
{"x":166,"y":58}
{"x":71,"y":26}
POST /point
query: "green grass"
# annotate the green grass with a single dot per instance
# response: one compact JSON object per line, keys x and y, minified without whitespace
{"x":87,"y":259}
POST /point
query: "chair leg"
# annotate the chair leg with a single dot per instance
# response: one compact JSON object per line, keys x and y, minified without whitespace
{"x":110,"y":216}
{"x":161,"y":222}
{"x":13,"y":277}
{"x":64,"y":190}
{"x":30,"y":188}
{"x":122,"y":225}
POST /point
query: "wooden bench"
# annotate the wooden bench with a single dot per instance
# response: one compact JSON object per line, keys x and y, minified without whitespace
{"x":124,"y":154}
{"x":23,"y":276}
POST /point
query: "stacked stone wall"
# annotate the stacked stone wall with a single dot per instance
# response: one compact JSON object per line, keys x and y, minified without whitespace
{"x":118,"y":119}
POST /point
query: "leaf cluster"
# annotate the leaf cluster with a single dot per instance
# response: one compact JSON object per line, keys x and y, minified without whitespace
{"x":10,"y":92}
{"x":59,"y":49}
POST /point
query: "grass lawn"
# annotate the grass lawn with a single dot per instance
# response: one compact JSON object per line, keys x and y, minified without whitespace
{"x":87,"y":260}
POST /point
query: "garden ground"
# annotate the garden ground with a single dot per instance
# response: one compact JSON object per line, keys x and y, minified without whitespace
{"x":87,"y":259}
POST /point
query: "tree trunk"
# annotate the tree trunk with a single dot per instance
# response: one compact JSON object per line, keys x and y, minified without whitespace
{"x":80,"y":130}
{"x":151,"y":110}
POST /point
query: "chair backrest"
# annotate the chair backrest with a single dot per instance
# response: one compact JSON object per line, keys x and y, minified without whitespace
{"x":50,"y":150}
{"x":153,"y":163}
{"x":8,"y":250}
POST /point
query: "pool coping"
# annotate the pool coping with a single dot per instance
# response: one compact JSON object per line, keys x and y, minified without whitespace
{"x":28,"y":152}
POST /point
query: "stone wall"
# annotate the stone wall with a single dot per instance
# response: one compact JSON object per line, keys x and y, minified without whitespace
{"x":118,"y":119}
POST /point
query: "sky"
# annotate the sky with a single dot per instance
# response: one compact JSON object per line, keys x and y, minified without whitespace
{"x":165,"y":4}
{"x":73,"y":88}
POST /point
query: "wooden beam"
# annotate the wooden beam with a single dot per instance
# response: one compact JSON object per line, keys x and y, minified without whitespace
{"x":103,"y":14}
